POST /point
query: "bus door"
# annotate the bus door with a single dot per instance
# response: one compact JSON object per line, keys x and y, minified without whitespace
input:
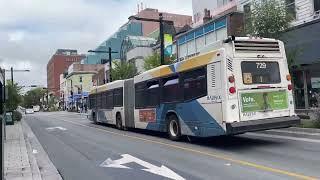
{"x":263,"y":89}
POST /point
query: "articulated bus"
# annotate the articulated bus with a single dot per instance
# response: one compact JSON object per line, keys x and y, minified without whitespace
{"x":231,"y":87}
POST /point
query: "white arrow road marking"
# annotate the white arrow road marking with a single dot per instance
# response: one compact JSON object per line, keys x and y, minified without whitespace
{"x":127,"y":158}
{"x":53,"y":128}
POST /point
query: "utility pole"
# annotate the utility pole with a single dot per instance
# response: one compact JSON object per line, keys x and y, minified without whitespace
{"x":110,"y":52}
{"x":11,"y":71}
{"x":12,"y":76}
{"x":161,"y":29}
{"x":161,"y":22}
{"x":110,"y":62}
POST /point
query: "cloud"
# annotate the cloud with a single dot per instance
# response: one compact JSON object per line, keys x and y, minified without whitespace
{"x":16,"y":36}
{"x":33,"y":29}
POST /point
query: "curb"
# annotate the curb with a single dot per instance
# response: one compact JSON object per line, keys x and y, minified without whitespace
{"x":39,"y":157}
{"x":36,"y":175}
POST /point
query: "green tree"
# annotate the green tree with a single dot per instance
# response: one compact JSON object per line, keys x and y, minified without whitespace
{"x":14,"y":97}
{"x":268,"y":18}
{"x":153,"y":61}
{"x":123,"y":70}
{"x":53,"y":101}
{"x":32,"y":97}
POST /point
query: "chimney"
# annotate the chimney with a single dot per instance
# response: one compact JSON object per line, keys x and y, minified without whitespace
{"x":207,"y":17}
{"x":141,"y":6}
{"x":138,"y":8}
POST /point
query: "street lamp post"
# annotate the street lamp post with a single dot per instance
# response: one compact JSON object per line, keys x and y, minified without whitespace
{"x":110,"y":52}
{"x":16,"y":70}
{"x":161,"y":22}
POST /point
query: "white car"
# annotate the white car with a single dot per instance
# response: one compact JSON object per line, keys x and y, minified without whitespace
{"x":29,"y":111}
{"x":36,"y":108}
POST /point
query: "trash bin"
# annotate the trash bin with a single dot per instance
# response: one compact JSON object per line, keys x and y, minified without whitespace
{"x":9,"y":119}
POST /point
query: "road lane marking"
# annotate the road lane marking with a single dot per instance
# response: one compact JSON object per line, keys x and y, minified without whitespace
{"x":127,"y":158}
{"x":53,"y":128}
{"x":217,"y":156}
{"x":285,"y":137}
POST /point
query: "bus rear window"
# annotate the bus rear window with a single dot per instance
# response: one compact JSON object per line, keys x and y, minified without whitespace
{"x":259,"y":72}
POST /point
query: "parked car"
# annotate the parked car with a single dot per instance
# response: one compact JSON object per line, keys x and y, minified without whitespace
{"x":29,"y":111}
{"x":36,"y":108}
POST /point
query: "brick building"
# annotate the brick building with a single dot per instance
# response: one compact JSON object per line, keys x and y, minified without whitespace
{"x":57,"y":65}
{"x":149,"y":27}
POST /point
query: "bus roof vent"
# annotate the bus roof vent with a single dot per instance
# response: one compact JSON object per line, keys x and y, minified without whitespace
{"x":257,"y":46}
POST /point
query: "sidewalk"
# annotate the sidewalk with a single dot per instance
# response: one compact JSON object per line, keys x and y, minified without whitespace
{"x":24,"y":157}
{"x":16,"y":159}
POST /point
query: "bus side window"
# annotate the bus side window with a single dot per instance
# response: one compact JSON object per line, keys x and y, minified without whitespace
{"x":104,"y":100}
{"x":118,"y":97}
{"x":98,"y":97}
{"x":171,"y":91}
{"x":153,"y":93}
{"x":194,"y":84}
{"x":109,"y":104}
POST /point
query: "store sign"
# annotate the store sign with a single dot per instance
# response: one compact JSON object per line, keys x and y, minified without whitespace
{"x":264,"y":101}
{"x":148,"y":115}
{"x":315,"y":82}
{"x":168,"y":41}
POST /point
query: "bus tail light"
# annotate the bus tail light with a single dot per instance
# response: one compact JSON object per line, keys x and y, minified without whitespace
{"x":232,"y":90}
{"x":289,"y":77}
{"x":231,"y":79}
{"x":290,"y":87}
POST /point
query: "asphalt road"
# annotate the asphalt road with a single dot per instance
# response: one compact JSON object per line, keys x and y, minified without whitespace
{"x":81,"y":150}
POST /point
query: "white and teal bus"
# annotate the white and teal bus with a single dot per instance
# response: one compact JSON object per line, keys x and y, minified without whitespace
{"x":231,"y":87}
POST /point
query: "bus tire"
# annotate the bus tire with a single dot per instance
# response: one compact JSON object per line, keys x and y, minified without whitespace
{"x":119,"y":121}
{"x":173,"y":128}
{"x":94,"y":118}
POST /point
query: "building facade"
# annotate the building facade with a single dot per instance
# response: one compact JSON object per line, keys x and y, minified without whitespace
{"x":216,"y":8}
{"x":58,"y":64}
{"x":178,"y":20}
{"x":190,"y":43}
{"x":135,"y":49}
{"x":303,"y":11}
{"x":78,"y":83}
{"x":130,"y":28}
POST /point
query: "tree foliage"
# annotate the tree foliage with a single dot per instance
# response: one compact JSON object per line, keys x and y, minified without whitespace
{"x":153,"y":61}
{"x":32,"y":97}
{"x":268,"y":18}
{"x":14,"y":97}
{"x":123,"y":70}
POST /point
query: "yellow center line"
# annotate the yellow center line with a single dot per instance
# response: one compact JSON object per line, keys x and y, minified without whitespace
{"x":217,"y":156}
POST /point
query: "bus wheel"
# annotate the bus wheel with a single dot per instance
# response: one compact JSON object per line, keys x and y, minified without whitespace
{"x":119,"y":122}
{"x":173,"y":128}
{"x":94,"y":118}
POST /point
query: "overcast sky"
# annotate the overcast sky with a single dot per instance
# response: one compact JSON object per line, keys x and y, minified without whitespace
{"x":32,"y":30}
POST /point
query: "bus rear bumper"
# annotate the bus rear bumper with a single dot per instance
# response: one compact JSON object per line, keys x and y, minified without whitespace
{"x":262,"y":124}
